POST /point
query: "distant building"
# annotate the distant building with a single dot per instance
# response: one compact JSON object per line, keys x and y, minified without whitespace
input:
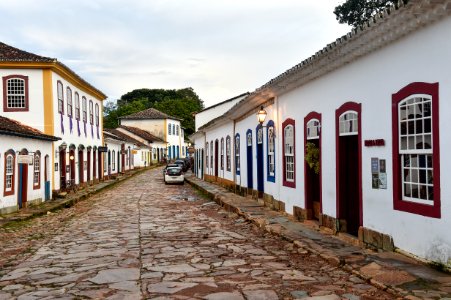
{"x":25,"y":165}
{"x":161,"y":125}
{"x":43,"y":93}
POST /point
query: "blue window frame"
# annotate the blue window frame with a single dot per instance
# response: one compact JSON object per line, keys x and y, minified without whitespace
{"x":271,"y":152}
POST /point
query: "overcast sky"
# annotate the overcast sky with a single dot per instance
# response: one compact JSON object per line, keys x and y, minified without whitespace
{"x":220,"y":48}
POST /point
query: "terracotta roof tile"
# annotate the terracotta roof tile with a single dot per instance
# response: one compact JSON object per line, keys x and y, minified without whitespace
{"x":114,"y":133}
{"x":150,"y":113}
{"x":15,"y":128}
{"x":142,"y":133}
{"x":9,"y":53}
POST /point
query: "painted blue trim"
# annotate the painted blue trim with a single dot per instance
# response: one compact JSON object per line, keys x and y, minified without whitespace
{"x":270,"y":178}
{"x":249,"y":162}
{"x":239,"y":145}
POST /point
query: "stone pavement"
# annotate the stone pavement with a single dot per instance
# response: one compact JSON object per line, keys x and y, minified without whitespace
{"x":145,"y":240}
{"x":390,"y":271}
{"x":69,"y":200}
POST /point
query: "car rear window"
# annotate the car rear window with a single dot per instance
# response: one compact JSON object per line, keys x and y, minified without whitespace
{"x":174,"y":171}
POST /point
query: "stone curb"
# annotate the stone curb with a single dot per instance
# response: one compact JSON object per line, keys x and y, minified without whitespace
{"x":54,"y":204}
{"x":335,"y":260}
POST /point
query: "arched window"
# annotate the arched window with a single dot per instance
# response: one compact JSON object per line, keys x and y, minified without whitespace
{"x":222,"y":153}
{"x":60,"y":92}
{"x":15,"y":93}
{"x":271,"y":165}
{"x":349,"y":123}
{"x":416,"y":161}
{"x":288,"y":128}
{"x":91,"y":112}
{"x":228,"y":153}
{"x":85,"y":110}
{"x":69,"y":102}
{"x":313,"y":129}
{"x":237,"y":153}
{"x":10,"y":163}
{"x":97,"y":114}
{"x":37,"y":171}
{"x":77,"y":106}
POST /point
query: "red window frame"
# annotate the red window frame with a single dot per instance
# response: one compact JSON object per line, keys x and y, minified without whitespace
{"x":291,"y":184}
{"x":70,"y":106}
{"x":77,"y":106}
{"x":60,"y":99}
{"x":398,"y":203}
{"x":11,"y":192}
{"x":5,"y":93}
{"x":313,"y":116}
{"x":38,"y":185}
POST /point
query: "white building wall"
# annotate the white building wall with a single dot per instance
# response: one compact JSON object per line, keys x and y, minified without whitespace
{"x":32,"y":145}
{"x":209,"y":114}
{"x":199,"y":145}
{"x":371,"y":81}
{"x":216,"y":134}
{"x":90,"y":138}
{"x":34,"y":117}
{"x":155,"y":127}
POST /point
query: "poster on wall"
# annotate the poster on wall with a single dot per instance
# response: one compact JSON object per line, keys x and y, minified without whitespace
{"x":383,"y":181}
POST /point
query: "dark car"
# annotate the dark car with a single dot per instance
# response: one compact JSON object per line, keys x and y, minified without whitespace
{"x":182,"y":164}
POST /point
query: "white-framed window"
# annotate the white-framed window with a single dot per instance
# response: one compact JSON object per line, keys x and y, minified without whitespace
{"x":15,"y":94}
{"x":91,"y":112}
{"x":84,"y":108}
{"x":177,"y":130}
{"x":271,"y":151}
{"x":260,"y":135}
{"x":415,"y":148}
{"x":313,"y":129}
{"x":9,"y":172}
{"x":97,"y":111}
{"x":37,"y":170}
{"x":288,"y":134}
{"x":69,"y":102}
{"x":228,"y":153}
{"x":169,"y":129}
{"x":222,"y":153}
{"x":173,"y":129}
{"x":249,"y":139}
{"x":237,"y":153}
{"x":348,"y":123}
{"x":77,"y":106}
{"x":60,"y":92}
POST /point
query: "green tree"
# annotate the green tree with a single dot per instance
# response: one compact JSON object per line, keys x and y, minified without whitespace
{"x":181,"y":103}
{"x":357,"y":12}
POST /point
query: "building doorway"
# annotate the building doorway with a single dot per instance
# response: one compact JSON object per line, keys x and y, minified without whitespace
{"x":62,"y":155}
{"x":312,"y":144}
{"x":260,"y":179}
{"x":72,"y":167}
{"x":216,"y":159}
{"x":47,"y":177}
{"x":23,"y":182}
{"x":81,"y":166}
{"x":88,"y":165}
{"x":349,"y":182}
{"x":249,"y":160}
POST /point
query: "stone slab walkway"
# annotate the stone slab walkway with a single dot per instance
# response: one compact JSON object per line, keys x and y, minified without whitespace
{"x":389,"y":271}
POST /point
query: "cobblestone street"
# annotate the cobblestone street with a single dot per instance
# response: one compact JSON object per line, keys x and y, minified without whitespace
{"x":145,"y":240}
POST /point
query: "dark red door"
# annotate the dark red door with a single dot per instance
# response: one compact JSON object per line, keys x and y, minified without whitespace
{"x":216,"y":158}
{"x":81,"y":166}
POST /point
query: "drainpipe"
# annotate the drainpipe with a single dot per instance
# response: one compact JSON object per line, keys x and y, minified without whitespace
{"x":234,"y":165}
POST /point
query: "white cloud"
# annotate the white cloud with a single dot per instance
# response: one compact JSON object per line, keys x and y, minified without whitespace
{"x":221,"y":48}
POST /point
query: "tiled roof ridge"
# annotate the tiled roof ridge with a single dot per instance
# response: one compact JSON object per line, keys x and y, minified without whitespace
{"x":225,"y":101}
{"x":149,"y":113}
{"x":142,"y":133}
{"x":26,"y":130}
{"x":12,"y":54}
{"x":123,"y":137}
{"x":21,"y":55}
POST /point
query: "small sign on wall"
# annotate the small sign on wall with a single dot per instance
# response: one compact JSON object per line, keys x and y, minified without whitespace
{"x":378,"y":173}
